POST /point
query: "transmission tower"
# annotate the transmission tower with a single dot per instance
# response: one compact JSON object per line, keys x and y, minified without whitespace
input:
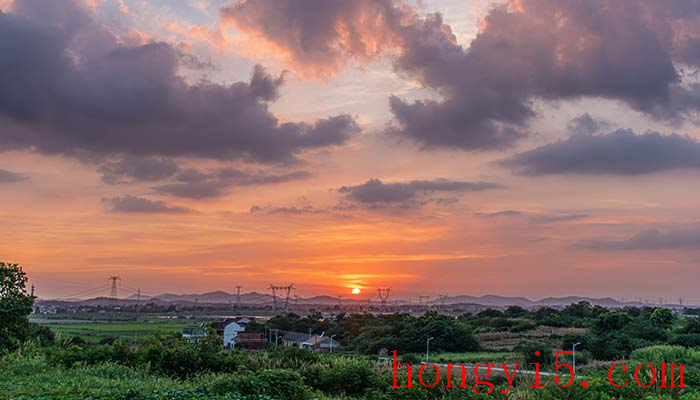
{"x":274,"y":289}
{"x":238,"y":296}
{"x":442,"y":299}
{"x":384,"y":296}
{"x":423,"y":300}
{"x":113,"y":291}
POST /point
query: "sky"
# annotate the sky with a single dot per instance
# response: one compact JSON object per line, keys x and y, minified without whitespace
{"x":523,"y":147}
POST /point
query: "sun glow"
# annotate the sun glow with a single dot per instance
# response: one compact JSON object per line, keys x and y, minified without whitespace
{"x":356,"y":291}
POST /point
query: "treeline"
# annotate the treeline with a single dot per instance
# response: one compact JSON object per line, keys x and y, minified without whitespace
{"x":610,"y":334}
{"x":369,"y":333}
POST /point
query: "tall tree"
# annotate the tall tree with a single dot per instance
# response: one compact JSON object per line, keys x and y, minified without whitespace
{"x":15,"y":305}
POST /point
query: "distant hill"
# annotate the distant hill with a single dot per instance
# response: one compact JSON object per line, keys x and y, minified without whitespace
{"x":221,"y":297}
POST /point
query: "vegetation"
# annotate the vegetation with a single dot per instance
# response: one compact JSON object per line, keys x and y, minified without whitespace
{"x":106,"y":331}
{"x":15,"y":306}
{"x":160,"y":365}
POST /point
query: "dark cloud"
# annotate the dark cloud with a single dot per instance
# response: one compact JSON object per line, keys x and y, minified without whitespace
{"x":651,"y":239}
{"x":527,"y":50}
{"x":10,"y":177}
{"x":194,"y":184}
{"x":291,"y":210}
{"x":504,"y":213}
{"x":376,"y":192}
{"x":140,"y":205}
{"x":319,"y":35}
{"x":137,"y":168}
{"x":544,"y":219}
{"x":585,"y":124}
{"x":621,"y":152}
{"x":68,"y":86}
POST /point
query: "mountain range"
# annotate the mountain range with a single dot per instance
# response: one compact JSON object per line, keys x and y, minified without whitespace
{"x":221,"y":297}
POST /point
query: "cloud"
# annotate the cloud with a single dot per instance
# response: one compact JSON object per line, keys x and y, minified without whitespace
{"x":545,"y":219}
{"x":538,"y":219}
{"x":137,"y":168}
{"x":318,"y":36}
{"x":11,"y":177}
{"x":585,"y":124}
{"x":651,"y":239}
{"x":376,"y":192}
{"x":527,"y":50}
{"x":194,"y":184}
{"x":504,"y":213}
{"x":291,"y":210}
{"x":140,"y":205}
{"x":621,"y":152}
{"x":70,"y":87}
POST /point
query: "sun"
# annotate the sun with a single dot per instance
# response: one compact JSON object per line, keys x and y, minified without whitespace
{"x":356,"y":291}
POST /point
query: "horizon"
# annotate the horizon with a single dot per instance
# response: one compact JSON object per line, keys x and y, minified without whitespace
{"x":437,"y":147}
{"x":372,"y":296}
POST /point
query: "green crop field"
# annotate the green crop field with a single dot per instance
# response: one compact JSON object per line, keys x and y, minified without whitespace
{"x":96,"y":331}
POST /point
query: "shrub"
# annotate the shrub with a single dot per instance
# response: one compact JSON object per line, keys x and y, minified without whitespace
{"x":527,"y":350}
{"x":344,"y":376}
{"x":275,"y":384}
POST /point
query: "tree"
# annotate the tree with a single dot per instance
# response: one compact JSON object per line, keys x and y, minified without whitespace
{"x":662,"y":317}
{"x":15,"y":305}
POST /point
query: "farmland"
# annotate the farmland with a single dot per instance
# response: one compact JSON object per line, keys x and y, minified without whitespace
{"x":97,"y":331}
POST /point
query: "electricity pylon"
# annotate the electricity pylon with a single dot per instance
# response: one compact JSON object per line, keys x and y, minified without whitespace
{"x":384,"y":296}
{"x":113,"y":291}
{"x":274,"y":289}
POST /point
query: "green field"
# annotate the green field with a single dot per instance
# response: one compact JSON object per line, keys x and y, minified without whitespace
{"x":95,"y":331}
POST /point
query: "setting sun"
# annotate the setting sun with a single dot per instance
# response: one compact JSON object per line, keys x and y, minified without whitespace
{"x":356,"y":291}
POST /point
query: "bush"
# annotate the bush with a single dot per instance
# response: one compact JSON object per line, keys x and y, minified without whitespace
{"x":686,"y":340}
{"x":275,"y":384}
{"x":344,"y":376}
{"x":527,"y":350}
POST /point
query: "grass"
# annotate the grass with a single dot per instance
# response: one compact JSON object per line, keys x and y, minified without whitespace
{"x":27,"y":377}
{"x":474,"y":357}
{"x":95,"y":331}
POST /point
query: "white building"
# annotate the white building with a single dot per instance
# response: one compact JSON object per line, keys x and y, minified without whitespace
{"x":230,"y":334}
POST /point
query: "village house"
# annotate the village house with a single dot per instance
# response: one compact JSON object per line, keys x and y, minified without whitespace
{"x":251,"y":340}
{"x":320,"y":344}
{"x":193,"y":334}
{"x":228,"y":330}
{"x":294,"y":339}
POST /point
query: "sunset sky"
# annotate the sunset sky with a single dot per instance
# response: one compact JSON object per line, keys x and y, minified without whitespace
{"x":527,"y":147}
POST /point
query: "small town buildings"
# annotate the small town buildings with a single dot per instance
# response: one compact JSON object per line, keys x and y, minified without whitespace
{"x":193,"y":334}
{"x":251,"y":340}
{"x":294,"y":339}
{"x":228,"y":330}
{"x":320,"y":344}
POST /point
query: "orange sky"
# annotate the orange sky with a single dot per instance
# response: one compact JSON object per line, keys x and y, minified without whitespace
{"x":425,"y":229}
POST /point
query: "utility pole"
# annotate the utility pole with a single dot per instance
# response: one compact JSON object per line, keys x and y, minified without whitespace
{"x":427,"y":349}
{"x":573,"y":355}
